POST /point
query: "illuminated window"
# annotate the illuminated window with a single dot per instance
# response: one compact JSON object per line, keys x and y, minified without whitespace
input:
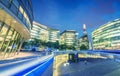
{"x":3,"y":34}
{"x":16,"y":3}
{"x":21,"y":9}
{"x":20,"y":14}
{"x":6,"y":2}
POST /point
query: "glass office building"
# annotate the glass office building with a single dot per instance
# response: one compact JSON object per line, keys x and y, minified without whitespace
{"x":44,"y":33}
{"x":16,"y":18}
{"x":68,"y":37}
{"x":53,"y":35}
{"x":107,"y":36}
{"x":40,"y":31}
{"x":83,"y":41}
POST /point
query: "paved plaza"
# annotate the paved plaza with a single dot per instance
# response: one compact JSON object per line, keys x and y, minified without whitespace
{"x":91,"y":67}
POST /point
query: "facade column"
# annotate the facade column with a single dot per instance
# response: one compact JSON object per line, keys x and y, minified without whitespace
{"x":5,"y":38}
{"x":19,"y":47}
{"x":12,"y":49}
{"x":7,"y":50}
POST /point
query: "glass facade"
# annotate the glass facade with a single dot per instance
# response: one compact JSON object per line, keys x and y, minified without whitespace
{"x":40,"y":32}
{"x":107,"y":36}
{"x":44,"y":33}
{"x":10,"y":40}
{"x":21,"y":10}
{"x":84,"y":41}
{"x":68,"y":37}
{"x":15,"y":24}
{"x":53,"y":35}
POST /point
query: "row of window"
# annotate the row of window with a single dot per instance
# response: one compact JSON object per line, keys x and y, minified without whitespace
{"x":28,"y":7}
{"x":115,"y":38}
{"x":107,"y":32}
{"x":107,"y":29}
{"x":107,"y":39}
{"x":111,"y":27}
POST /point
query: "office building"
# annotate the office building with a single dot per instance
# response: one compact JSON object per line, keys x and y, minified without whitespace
{"x":16,"y":18}
{"x":83,"y":41}
{"x":44,"y":33}
{"x":40,"y":31}
{"x":107,"y":36}
{"x":68,"y":37}
{"x":53,"y":35}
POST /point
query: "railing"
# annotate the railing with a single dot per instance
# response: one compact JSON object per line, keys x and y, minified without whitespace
{"x":103,"y":53}
{"x":37,"y":66}
{"x":28,"y":67}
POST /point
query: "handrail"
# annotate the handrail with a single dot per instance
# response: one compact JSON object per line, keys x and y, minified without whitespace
{"x":25,"y":67}
{"x":106,"y":54}
{"x":36,"y":66}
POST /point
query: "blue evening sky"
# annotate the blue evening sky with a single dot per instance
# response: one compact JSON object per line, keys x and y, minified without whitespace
{"x":72,"y":14}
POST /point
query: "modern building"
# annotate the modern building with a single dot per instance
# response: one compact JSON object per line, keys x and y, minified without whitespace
{"x":83,"y":41}
{"x":53,"y":35}
{"x":40,"y":31}
{"x":44,"y":33}
{"x":16,"y":18}
{"x":107,"y":36}
{"x":68,"y":37}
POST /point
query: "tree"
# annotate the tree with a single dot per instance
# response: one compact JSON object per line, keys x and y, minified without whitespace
{"x":24,"y":44}
{"x":56,"y":45}
{"x":83,"y":47}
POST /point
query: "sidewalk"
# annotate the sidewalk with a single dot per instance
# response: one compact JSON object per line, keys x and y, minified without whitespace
{"x":23,"y":54}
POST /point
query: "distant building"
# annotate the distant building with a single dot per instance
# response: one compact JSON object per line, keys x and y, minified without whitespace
{"x":83,"y":41}
{"x":40,"y":31}
{"x":44,"y":33}
{"x":53,"y":35}
{"x":107,"y":36}
{"x":68,"y":37}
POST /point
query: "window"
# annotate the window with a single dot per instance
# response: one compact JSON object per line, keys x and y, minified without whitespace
{"x":14,"y":9}
{"x":21,"y":9}
{"x":20,"y":15}
{"x":6,"y":2}
{"x":1,"y":25}
{"x":3,"y":34}
{"x":16,"y":3}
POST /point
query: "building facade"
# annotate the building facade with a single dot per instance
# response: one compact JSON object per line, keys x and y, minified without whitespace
{"x":68,"y":37}
{"x":53,"y":35}
{"x":16,"y":18}
{"x":107,"y":36}
{"x":44,"y":33}
{"x":83,"y":41}
{"x":40,"y":31}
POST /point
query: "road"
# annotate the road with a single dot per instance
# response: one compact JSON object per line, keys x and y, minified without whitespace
{"x":91,"y":67}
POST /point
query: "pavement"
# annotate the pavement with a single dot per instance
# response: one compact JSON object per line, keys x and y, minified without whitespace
{"x":91,"y":67}
{"x":22,"y":56}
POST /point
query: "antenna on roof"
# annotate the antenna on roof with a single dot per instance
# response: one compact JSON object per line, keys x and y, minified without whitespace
{"x":84,"y":29}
